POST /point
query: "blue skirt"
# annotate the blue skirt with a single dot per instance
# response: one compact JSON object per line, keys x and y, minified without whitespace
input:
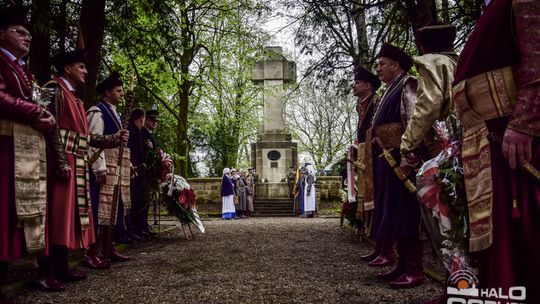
{"x":229,"y":215}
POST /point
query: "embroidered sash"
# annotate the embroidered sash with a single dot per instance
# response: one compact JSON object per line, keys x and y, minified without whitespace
{"x":77,"y":144}
{"x":483,"y":97}
{"x":369,"y":203}
{"x":106,"y":191}
{"x":30,"y":181}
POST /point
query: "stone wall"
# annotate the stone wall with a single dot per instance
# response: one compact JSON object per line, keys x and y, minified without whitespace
{"x":328,"y":188}
{"x":208,"y":190}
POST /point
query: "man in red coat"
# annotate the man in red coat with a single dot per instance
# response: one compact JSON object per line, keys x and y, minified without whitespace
{"x":22,"y":148}
{"x":497,"y":97}
{"x":69,"y":212}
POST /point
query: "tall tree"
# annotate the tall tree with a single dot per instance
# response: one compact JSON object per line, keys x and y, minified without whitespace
{"x":92,"y":27}
{"x":40,"y":48}
{"x":231,"y":106}
{"x":175,"y":35}
{"x":323,"y":119}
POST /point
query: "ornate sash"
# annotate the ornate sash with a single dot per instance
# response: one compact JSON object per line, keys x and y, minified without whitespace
{"x":369,"y":203}
{"x":30,"y":181}
{"x":352,"y":176}
{"x":389,"y":134}
{"x":77,"y":144}
{"x":483,"y":97}
{"x":107,"y":190}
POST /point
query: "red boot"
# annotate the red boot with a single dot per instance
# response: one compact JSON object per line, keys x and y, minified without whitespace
{"x":384,"y":259}
{"x":370,"y":256}
{"x":414,"y":271}
{"x":387,"y":255}
{"x":91,"y":259}
{"x":109,"y":252}
{"x":115,"y":256}
{"x":399,"y":270}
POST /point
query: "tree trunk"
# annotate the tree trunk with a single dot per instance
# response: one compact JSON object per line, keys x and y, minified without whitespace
{"x":420,"y":13}
{"x":40,"y":61}
{"x":183,"y":111}
{"x":62,"y":27}
{"x":186,"y":58}
{"x":93,"y":28}
{"x":445,"y":11}
{"x":359,"y":14}
{"x":182,"y":136}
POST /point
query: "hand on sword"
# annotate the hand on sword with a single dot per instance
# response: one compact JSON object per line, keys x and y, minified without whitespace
{"x":408,"y":164}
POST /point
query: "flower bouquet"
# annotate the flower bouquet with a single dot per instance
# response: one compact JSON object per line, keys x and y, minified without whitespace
{"x":179,"y":199}
{"x":441,"y":191}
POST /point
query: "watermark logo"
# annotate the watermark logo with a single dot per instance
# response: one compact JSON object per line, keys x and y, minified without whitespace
{"x":462,"y":289}
{"x":463,"y":283}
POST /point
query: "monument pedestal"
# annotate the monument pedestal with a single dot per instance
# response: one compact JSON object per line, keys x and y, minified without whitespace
{"x":272,"y":155}
{"x":272,"y":190}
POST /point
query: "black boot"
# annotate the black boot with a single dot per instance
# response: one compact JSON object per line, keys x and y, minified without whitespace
{"x":45,"y":280}
{"x":61,"y":262}
{"x":3,"y":275}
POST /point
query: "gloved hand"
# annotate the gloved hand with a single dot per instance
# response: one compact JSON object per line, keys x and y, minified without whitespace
{"x":409,"y":162}
{"x":516,"y":147}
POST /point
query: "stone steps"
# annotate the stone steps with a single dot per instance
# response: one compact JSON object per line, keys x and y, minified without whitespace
{"x":273,"y":207}
{"x":272,"y":215}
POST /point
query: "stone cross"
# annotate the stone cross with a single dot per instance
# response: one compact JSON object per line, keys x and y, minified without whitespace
{"x":274,"y":152}
{"x":274,"y":72}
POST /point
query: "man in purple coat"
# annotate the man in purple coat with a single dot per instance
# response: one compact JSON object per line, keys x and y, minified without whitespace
{"x":397,"y":212}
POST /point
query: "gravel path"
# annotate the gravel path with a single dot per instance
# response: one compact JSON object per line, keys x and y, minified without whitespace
{"x":257,"y":260}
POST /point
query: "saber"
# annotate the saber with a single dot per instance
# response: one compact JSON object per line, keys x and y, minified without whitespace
{"x":532,"y":170}
{"x":394,"y":165}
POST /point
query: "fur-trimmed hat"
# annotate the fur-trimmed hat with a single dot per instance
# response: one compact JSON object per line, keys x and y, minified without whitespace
{"x":436,"y":38}
{"x":15,"y":15}
{"x":63,"y":59}
{"x":110,"y":82}
{"x":360,"y":73}
{"x":394,"y":53}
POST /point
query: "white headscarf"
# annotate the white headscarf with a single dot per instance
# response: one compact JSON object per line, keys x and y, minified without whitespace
{"x":226,"y":171}
{"x":311,"y":171}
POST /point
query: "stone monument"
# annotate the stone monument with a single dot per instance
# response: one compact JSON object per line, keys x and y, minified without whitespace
{"x":274,"y":152}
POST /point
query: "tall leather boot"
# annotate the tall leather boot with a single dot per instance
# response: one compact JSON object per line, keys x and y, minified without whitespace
{"x":414,"y":270}
{"x":372,"y":255}
{"x":109,"y":252}
{"x":3,"y":275}
{"x":45,"y":280}
{"x":387,"y":255}
{"x":61,"y":263}
{"x":401,"y":264}
{"x":92,"y":260}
